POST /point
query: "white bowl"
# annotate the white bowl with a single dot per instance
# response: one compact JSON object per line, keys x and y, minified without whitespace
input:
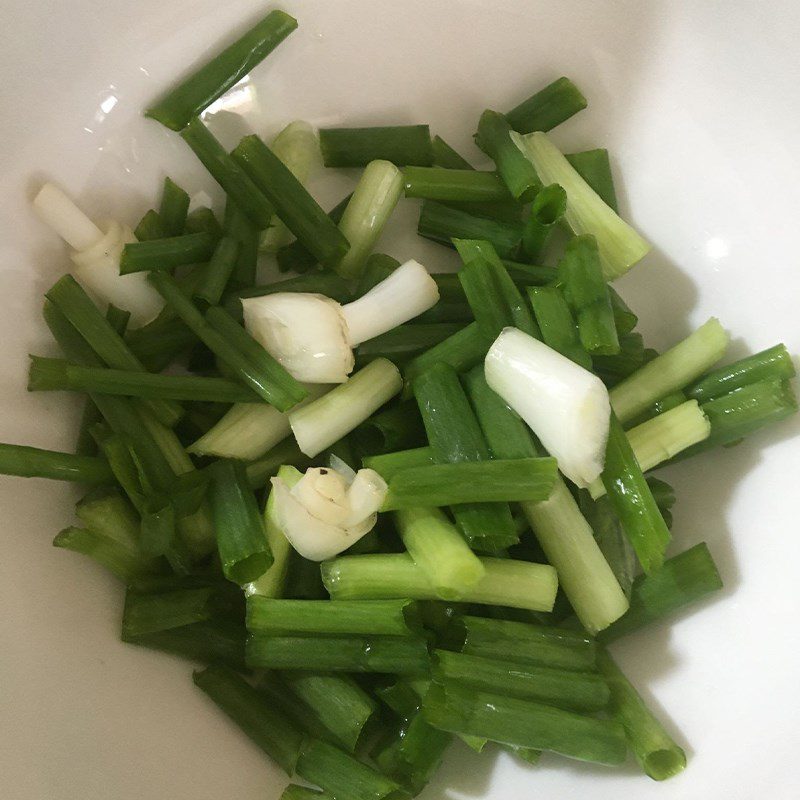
{"x":697,"y":103}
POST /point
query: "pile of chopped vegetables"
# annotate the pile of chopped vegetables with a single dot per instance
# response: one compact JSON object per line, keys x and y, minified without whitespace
{"x":387,"y":507}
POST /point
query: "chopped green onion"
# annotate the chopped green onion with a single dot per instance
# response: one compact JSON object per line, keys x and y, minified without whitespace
{"x":403,"y":145}
{"x":450,"y":288}
{"x":367,"y":213}
{"x":53,"y":374}
{"x":506,"y":435}
{"x":576,"y":691}
{"x":523,"y":643}
{"x":96,"y":255}
{"x":341,"y":653}
{"x":442,"y":224}
{"x":507,"y":211}
{"x":108,"y":512}
{"x":546,"y":211}
{"x":31,"y":462}
{"x":494,"y":298}
{"x":119,"y":413}
{"x":744,"y":411}
{"x":295,"y":257}
{"x":447,"y":311}
{"x":682,"y":580}
{"x":327,"y":283}
{"x":213,"y":642}
{"x":228,"y":174}
{"x":517,"y":172}
{"x":672,"y":370}
{"x":389,"y":464}
{"x":439,"y":550}
{"x":241,"y":539}
{"x":320,"y":423}
{"x":246,"y":432}
{"x":557,"y":324}
{"x":524,"y":723}
{"x":239,"y":226}
{"x":158,"y":345}
{"x":394,"y":427}
{"x":121,"y":461}
{"x":174,"y":208}
{"x":400,"y":697}
{"x":655,"y":750}
{"x":121,"y":560}
{"x":217,"y":272}
{"x":294,"y":205}
{"x":340,"y":704}
{"x":632,"y":356}
{"x":517,"y":584}
{"x":455,"y":436}
{"x":272,"y":686}
{"x":343,"y":776}
{"x":196,"y":92}
{"x":624,"y":318}
{"x":408,"y":340}
{"x":74,"y":304}
{"x":620,"y":245}
{"x":775,"y":363}
{"x":148,"y":613}
{"x":150,"y":227}
{"x":530,"y":274}
{"x":413,"y":753}
{"x":273,"y":582}
{"x":298,"y":617}
{"x":583,"y":572}
{"x":297,"y":146}
{"x":445,"y":156}
{"x":587,"y":293}
{"x":595,"y":168}
{"x":158,"y":528}
{"x":461,"y":351}
{"x":633,"y":501}
{"x":454,"y":185}
{"x":254,"y":714}
{"x":470,"y":482}
{"x":560,"y":528}
{"x":203,"y":219}
{"x":663,"y":437}
{"x":548,"y":107}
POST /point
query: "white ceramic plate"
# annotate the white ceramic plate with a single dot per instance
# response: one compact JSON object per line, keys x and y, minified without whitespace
{"x":697,"y":103}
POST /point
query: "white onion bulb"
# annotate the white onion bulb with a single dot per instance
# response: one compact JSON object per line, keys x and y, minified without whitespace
{"x":306,"y":333}
{"x":406,"y":293}
{"x":566,"y":406}
{"x":325,"y":513}
{"x":312,"y":336}
{"x":97,"y":255}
